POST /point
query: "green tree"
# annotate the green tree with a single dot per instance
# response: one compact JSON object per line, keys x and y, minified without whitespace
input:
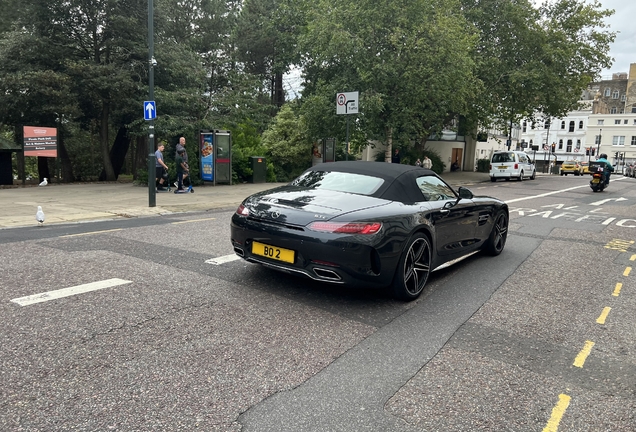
{"x":533,"y":59}
{"x":265,"y":40}
{"x":288,"y":148}
{"x":246,"y":142}
{"x":576,"y":51}
{"x":410,"y":61}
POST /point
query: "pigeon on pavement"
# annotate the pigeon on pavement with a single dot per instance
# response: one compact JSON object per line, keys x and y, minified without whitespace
{"x":44,"y":182}
{"x":39,"y":216}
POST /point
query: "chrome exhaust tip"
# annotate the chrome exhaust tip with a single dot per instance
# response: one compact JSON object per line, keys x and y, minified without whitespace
{"x":327,"y":274}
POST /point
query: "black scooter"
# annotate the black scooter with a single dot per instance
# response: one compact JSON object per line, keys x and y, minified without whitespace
{"x":598,"y":170}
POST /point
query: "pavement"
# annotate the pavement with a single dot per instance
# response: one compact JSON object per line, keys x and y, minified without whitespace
{"x":82,"y":202}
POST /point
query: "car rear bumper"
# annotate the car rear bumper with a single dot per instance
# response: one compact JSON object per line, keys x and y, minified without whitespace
{"x":507,"y":174}
{"x":335,"y":261}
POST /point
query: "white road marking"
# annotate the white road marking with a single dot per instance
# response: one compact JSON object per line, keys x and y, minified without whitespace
{"x":66,"y":292}
{"x":91,"y":233}
{"x":608,"y":221}
{"x":545,"y":194}
{"x":601,"y":202}
{"x":223,"y":259}
{"x":557,"y":192}
{"x":193,"y":220}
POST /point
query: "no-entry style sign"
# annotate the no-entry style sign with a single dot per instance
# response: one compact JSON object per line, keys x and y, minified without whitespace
{"x":347,"y":103}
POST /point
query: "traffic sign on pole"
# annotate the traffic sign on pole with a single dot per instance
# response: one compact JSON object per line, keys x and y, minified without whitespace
{"x":347,"y":103}
{"x":150,"y":110}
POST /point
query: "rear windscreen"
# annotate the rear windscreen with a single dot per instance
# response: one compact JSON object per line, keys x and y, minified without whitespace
{"x":339,"y":181}
{"x":503,"y":157}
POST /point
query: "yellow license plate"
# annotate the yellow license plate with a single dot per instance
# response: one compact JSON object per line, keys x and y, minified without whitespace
{"x":503,"y":167}
{"x":273,"y":252}
{"x":596,"y":180}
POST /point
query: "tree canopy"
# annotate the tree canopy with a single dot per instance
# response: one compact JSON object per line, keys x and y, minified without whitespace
{"x":418,"y":65}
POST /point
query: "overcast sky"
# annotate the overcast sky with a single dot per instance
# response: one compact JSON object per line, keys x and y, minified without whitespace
{"x":624,"y":47}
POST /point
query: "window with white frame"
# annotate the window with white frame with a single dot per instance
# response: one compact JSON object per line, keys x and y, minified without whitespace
{"x":578,"y":144}
{"x":613,"y":110}
{"x":560,"y":144}
{"x":615,"y":94}
{"x":633,"y":140}
{"x":581,"y":124}
{"x":600,"y":122}
{"x":563,"y":124}
{"x":625,"y":121}
{"x":607,"y":92}
{"x":571,"y":126}
{"x":618,"y":140}
{"x":525,"y":125}
{"x":623,"y":97}
{"x":617,"y":122}
{"x":569,"y":147}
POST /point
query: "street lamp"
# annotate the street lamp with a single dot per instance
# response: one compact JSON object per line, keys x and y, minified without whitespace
{"x":598,"y":145}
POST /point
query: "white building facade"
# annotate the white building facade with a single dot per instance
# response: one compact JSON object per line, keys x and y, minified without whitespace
{"x":605,"y":123}
{"x":614,"y":135}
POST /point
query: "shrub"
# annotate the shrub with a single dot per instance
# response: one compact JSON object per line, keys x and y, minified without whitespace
{"x":483,"y":165}
{"x":289,"y":150}
{"x":246,"y":142}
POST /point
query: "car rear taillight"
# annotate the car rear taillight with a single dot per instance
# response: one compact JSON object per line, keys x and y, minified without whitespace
{"x":490,"y":167}
{"x":242,"y":210}
{"x":516,"y":166}
{"x":346,"y":227}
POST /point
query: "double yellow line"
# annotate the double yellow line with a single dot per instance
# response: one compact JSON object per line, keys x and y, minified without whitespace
{"x":564,"y":400}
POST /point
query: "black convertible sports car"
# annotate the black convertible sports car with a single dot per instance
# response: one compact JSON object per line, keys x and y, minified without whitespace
{"x":369,"y":224}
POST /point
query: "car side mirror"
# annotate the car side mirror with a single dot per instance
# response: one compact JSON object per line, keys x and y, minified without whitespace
{"x":465,"y":193}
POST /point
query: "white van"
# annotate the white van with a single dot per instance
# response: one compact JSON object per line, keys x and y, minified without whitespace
{"x":511,"y":164}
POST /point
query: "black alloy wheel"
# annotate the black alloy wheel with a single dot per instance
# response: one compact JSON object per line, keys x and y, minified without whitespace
{"x":498,"y":235}
{"x":413,"y":269}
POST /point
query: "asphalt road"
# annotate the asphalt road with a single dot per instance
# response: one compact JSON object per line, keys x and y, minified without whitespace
{"x":182,"y":337}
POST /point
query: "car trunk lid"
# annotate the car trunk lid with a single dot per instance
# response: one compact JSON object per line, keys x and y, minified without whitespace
{"x":301,"y":206}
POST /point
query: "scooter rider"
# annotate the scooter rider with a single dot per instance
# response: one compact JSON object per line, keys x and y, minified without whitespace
{"x":610,"y":168}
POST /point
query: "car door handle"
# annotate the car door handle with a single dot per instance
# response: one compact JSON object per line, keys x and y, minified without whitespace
{"x":444,"y":211}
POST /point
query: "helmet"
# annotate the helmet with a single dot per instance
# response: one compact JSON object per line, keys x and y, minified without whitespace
{"x":603,"y":156}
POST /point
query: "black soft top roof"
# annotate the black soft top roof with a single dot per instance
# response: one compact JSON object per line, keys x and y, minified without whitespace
{"x":399,"y":180}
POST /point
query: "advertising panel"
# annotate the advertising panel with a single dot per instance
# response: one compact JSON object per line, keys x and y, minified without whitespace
{"x":206,"y":150}
{"x":40,"y":141}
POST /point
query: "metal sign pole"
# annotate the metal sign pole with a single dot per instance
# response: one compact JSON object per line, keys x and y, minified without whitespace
{"x":152,"y":197}
{"x":347,"y":145}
